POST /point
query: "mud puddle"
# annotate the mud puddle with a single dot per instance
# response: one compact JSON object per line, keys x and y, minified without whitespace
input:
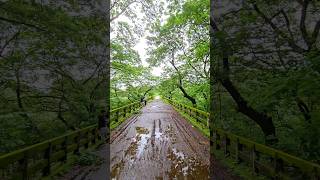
{"x":184,"y":167}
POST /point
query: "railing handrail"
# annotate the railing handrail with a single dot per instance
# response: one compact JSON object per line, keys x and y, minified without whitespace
{"x":189,"y":107}
{"x":304,"y":165}
{"x":122,"y":107}
{"x":31,"y":151}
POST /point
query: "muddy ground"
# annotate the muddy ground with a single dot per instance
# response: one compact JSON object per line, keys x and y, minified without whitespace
{"x":158,"y":144}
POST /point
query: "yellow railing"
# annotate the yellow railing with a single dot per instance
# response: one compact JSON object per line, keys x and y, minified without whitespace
{"x":39,"y":159}
{"x":200,"y":116}
{"x":123,"y":112}
{"x":260,"y":158}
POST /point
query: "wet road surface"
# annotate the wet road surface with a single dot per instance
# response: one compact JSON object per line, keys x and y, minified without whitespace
{"x":158,"y":144}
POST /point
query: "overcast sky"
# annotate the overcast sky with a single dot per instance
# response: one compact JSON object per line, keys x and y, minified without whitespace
{"x":141,"y":46}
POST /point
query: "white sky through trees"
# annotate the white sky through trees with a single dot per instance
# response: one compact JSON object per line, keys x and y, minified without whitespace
{"x":141,"y":46}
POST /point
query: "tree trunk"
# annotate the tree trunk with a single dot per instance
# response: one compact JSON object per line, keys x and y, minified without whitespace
{"x":186,"y":95}
{"x":263,"y":120}
{"x":145,"y":93}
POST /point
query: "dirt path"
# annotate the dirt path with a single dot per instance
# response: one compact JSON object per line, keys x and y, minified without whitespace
{"x":158,"y":144}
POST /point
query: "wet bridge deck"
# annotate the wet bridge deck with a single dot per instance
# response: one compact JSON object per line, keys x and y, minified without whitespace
{"x":158,"y":144}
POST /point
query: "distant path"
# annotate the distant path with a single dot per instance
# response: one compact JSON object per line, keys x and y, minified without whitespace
{"x":158,"y":144}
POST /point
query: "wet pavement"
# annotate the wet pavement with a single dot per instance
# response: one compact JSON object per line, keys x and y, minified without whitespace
{"x":158,"y":144}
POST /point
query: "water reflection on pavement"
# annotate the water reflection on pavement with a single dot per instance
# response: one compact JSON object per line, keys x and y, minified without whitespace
{"x":158,"y":144}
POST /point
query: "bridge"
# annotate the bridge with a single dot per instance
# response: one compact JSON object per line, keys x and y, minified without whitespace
{"x":162,"y":140}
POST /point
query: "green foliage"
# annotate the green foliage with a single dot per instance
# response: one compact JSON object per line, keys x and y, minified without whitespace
{"x":181,"y":45}
{"x":52,"y":81}
{"x":273,"y":76}
{"x":87,"y":159}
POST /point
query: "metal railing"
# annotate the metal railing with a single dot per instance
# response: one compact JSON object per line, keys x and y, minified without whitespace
{"x":199,"y":115}
{"x":262,"y":159}
{"x":123,"y":112}
{"x":40,"y":159}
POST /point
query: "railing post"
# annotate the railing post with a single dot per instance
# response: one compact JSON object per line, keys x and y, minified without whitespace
{"x":93,"y":133}
{"x":197,"y":116}
{"x":217,"y":136}
{"x":226,"y":143}
{"x":47,"y":155}
{"x":117,"y":116}
{"x":65,"y":149}
{"x":86,"y":145}
{"x":237,"y":147}
{"x":315,"y":175}
{"x":253,"y":159}
{"x":23,"y":166}
{"x":77,"y":141}
{"x":277,"y":165}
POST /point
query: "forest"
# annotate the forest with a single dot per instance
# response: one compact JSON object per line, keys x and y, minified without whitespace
{"x":254,"y":65}
{"x":53,"y":75}
{"x":264,"y":72}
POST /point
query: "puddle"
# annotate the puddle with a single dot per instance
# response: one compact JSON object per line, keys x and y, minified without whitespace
{"x":183,"y":167}
{"x":132,"y":149}
{"x":142,"y":130}
{"x":178,"y":154}
{"x":158,"y":135}
{"x":138,"y":143}
{"x":142,"y":144}
{"x":116,"y":169}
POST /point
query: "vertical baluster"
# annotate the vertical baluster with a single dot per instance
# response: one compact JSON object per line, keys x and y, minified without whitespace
{"x":117,"y":116}
{"x":77,"y":141}
{"x":93,"y":133}
{"x":23,"y":166}
{"x":226,"y":144}
{"x":238,"y":148}
{"x":86,"y":145}
{"x":197,"y":116}
{"x":217,"y":137}
{"x":253,"y":159}
{"x":65,"y":149}
{"x":277,"y":165}
{"x":315,"y":174}
{"x":47,"y":155}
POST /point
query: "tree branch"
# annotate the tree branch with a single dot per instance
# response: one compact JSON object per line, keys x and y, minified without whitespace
{"x":23,"y":23}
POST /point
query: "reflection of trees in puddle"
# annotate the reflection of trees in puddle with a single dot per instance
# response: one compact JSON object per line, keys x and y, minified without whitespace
{"x":183,"y":167}
{"x":142,"y":130}
{"x":138,"y":144}
{"x":116,"y":169}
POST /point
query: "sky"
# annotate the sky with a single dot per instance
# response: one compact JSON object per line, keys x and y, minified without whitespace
{"x":141,"y":46}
